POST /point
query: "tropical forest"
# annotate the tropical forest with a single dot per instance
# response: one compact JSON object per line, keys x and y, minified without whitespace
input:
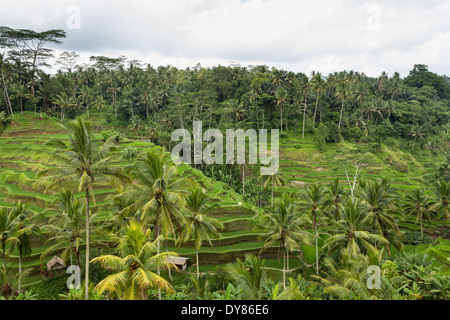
{"x":94,"y":207}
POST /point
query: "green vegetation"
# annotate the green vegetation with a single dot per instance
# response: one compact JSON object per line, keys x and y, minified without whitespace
{"x":85,"y":175}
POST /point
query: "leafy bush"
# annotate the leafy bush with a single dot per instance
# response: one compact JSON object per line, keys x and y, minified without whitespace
{"x":50,"y":289}
{"x":129,"y":153}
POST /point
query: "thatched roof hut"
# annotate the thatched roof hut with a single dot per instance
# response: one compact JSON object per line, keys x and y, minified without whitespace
{"x":55,"y":263}
{"x":180,"y":262}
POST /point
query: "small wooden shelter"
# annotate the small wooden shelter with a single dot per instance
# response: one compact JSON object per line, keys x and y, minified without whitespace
{"x":180,"y":262}
{"x":56,"y":263}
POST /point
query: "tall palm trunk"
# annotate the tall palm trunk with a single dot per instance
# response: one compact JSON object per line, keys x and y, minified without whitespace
{"x":197,"y":263}
{"x":304,"y":118}
{"x":20,"y":267}
{"x":317,"y":248}
{"x":340,"y":116}
{"x":272,"y":190}
{"x":9,"y":107}
{"x":284,"y":271}
{"x":243,"y":181}
{"x":281,"y":119}
{"x":86,"y":285}
{"x":157,"y":252}
{"x":315,"y":111}
{"x":421,"y":229}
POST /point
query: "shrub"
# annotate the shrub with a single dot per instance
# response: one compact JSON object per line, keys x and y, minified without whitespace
{"x":129,"y":153}
{"x":50,"y":289}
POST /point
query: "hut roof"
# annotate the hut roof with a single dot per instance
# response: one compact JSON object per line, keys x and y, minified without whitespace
{"x":55,"y":263}
{"x":178,"y":261}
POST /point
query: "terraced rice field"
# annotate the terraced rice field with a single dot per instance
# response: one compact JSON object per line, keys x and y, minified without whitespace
{"x":23,"y":155}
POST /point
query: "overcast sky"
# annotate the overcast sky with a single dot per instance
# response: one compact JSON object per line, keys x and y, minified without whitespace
{"x":294,"y":35}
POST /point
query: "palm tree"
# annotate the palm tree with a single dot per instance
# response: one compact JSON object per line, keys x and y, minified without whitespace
{"x":342,"y":92}
{"x":12,"y":229}
{"x":250,"y":274}
{"x":275,"y":180}
{"x":67,"y":226}
{"x":420,"y":205}
{"x":85,"y":96}
{"x":134,"y":265}
{"x":155,"y":101}
{"x":315,"y":199}
{"x":318,"y":84}
{"x":281,"y":96}
{"x":3,"y":68}
{"x":416,"y":131}
{"x":237,"y":109}
{"x":334,"y":198}
{"x":283,"y":225}
{"x":26,"y":227}
{"x":65,"y":102}
{"x":377,"y":195}
{"x":114,"y":89}
{"x":81,"y":160}
{"x":157,"y":194}
{"x":199,"y":225}
{"x":20,"y":92}
{"x":442,"y":192}
{"x":347,"y":280}
{"x":99,"y":103}
{"x":136,"y":125}
{"x":353,"y":235}
{"x":306,"y":87}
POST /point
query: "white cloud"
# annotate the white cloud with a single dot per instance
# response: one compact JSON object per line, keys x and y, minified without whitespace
{"x":323,"y":35}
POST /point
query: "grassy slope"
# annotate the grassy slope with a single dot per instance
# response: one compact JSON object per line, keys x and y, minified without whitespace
{"x":22,"y":155}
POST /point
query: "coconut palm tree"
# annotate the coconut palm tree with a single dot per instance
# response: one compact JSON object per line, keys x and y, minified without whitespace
{"x":420,"y":205}
{"x":114,"y":89}
{"x":416,"y":131}
{"x":314,"y":196}
{"x":4,"y":66}
{"x":199,"y":225}
{"x":20,"y":93}
{"x":136,"y":125}
{"x":442,"y":192}
{"x":99,"y":103}
{"x":281,"y":96}
{"x":65,"y":102}
{"x":381,"y":202}
{"x":353,"y":235}
{"x":275,"y":180}
{"x":283,"y":225}
{"x":12,"y":229}
{"x":85,"y":96}
{"x":250,"y":274}
{"x":342,"y":92}
{"x":305,"y":89}
{"x":334,"y":198}
{"x":27,"y":227}
{"x":83,"y":161}
{"x":157,"y":193}
{"x":347,"y":279}
{"x":318,"y":85}
{"x":66,"y":226}
{"x":134,"y":265}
